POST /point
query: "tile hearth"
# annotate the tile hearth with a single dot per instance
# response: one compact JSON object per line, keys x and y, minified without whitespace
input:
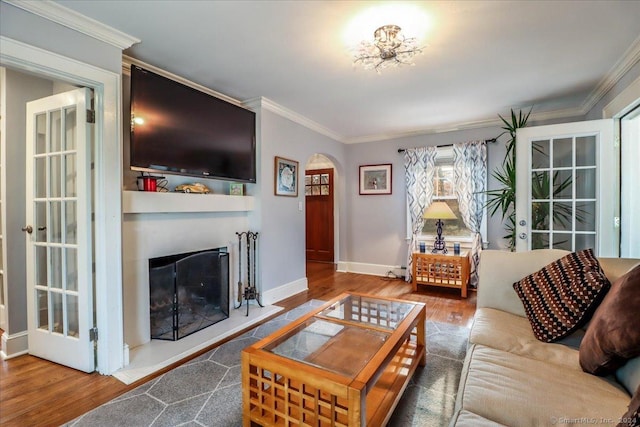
{"x":156,"y":354}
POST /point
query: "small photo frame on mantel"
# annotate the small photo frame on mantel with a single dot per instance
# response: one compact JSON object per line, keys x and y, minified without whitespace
{"x":286,"y":177}
{"x":236,"y":189}
{"x":375,"y":179}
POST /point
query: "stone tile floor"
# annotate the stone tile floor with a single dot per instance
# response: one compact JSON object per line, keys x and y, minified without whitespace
{"x":206,"y":391}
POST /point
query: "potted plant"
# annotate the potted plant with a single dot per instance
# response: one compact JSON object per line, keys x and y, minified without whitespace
{"x":504,"y":199}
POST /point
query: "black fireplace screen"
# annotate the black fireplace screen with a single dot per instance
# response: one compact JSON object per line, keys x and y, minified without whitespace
{"x":188,"y":292}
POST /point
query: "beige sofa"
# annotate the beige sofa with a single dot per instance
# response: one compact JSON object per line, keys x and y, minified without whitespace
{"x":510,"y":378}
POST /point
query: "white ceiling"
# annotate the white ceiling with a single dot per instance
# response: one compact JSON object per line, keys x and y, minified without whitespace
{"x":481,"y":58}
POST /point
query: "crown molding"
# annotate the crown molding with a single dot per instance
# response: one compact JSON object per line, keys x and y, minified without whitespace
{"x":278,"y":109}
{"x":423,"y":131}
{"x":127,"y":61}
{"x":76,"y":21}
{"x":620,"y":68}
{"x":476,"y":124}
{"x":564,"y":113}
{"x":267,"y":104}
{"x":624,"y":102}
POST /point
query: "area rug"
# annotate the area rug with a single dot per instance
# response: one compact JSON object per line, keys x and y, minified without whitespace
{"x":206,"y":391}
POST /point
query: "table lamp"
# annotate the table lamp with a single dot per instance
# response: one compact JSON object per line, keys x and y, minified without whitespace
{"x":439,"y":211}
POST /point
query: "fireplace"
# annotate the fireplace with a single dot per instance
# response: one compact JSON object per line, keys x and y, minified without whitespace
{"x":188,"y":292}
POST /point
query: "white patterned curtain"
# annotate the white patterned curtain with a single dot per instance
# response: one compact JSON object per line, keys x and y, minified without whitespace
{"x":470,"y":177}
{"x":419,"y":169}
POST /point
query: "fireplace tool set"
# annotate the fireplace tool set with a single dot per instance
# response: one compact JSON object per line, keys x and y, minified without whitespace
{"x":247,"y":291}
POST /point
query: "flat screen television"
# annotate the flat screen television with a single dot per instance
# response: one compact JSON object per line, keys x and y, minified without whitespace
{"x":180,"y":130}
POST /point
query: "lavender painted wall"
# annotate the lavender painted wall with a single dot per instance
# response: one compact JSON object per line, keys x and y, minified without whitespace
{"x":278,"y":218}
{"x":377,"y":224}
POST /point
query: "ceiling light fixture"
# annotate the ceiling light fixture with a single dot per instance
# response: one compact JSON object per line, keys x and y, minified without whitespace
{"x":388,"y":49}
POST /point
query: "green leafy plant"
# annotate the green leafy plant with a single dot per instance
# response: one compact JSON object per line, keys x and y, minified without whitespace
{"x":504,"y":198}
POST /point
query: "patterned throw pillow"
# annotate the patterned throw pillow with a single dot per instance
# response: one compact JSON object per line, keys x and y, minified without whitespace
{"x":562,"y":296}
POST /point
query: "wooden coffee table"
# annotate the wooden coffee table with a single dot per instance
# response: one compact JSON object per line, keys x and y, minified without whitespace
{"x":346,"y":363}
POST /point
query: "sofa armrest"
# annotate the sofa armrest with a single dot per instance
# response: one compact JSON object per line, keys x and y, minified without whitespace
{"x":499,"y":270}
{"x":616,"y":267}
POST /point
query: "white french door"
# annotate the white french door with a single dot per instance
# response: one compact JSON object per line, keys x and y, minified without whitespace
{"x":567,"y":192}
{"x":58,"y":212}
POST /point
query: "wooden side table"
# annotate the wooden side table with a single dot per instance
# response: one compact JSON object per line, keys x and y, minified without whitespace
{"x":446,"y":270}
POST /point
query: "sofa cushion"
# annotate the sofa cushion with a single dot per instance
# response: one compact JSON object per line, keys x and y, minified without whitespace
{"x":466,"y":418}
{"x":498,"y":271}
{"x":613,"y":336}
{"x":629,"y":374}
{"x":517,"y":391}
{"x":614,"y":268}
{"x":561,"y":297}
{"x":508,"y":332}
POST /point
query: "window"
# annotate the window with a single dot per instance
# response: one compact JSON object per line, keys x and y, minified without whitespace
{"x":316,"y":184}
{"x":453,"y":230}
{"x":443,"y":190}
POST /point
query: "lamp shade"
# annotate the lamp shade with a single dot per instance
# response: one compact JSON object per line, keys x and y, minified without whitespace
{"x":439,"y":210}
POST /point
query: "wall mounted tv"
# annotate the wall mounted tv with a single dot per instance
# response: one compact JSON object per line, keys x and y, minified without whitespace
{"x":180,"y":130}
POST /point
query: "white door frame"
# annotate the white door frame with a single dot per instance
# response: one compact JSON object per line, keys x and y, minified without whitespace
{"x":107,"y":87}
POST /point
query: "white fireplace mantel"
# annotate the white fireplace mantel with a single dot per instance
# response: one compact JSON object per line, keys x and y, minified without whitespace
{"x":137,"y":202}
{"x":158,"y":224}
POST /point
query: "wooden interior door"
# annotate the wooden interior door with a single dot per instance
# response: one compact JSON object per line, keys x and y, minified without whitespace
{"x":318,"y":190}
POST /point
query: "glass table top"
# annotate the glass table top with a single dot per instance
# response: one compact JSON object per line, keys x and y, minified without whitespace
{"x":371,"y":311}
{"x":345,"y":336}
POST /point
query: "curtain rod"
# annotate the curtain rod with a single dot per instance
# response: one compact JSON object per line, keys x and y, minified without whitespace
{"x":402,"y":150}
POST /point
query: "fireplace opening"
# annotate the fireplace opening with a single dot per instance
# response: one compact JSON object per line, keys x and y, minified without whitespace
{"x":188,"y":292}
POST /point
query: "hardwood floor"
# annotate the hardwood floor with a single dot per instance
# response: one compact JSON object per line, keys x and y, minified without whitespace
{"x":34,"y":392}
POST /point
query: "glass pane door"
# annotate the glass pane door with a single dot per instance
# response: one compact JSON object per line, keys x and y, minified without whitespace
{"x":56,"y":248}
{"x":59,"y":253}
{"x":563,"y":193}
{"x":567,"y":187}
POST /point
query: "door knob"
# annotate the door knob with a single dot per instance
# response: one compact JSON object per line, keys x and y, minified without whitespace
{"x":522,"y":222}
{"x":522,"y":236}
{"x":28,"y":229}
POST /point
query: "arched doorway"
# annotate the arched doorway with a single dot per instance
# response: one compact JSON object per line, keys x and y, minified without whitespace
{"x":320,"y":209}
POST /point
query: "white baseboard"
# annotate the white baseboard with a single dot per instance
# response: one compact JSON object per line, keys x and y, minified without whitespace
{"x":285,"y":291}
{"x":125,"y":355}
{"x":371,"y":269}
{"x":14,"y":345}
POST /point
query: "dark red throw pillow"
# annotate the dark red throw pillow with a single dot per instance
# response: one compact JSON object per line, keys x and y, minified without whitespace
{"x":613,"y":336}
{"x":562,"y":296}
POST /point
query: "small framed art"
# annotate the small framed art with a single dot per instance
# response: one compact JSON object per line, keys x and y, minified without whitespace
{"x":375,"y":179}
{"x":286,"y":177}
{"x":236,"y":189}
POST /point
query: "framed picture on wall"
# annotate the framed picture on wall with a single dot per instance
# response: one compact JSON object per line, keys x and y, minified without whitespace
{"x":286,"y":177}
{"x":375,"y":179}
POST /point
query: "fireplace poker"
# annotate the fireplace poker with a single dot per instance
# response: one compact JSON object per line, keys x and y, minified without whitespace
{"x":248,"y":260}
{"x":239,"y":270}
{"x":254,"y":236}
